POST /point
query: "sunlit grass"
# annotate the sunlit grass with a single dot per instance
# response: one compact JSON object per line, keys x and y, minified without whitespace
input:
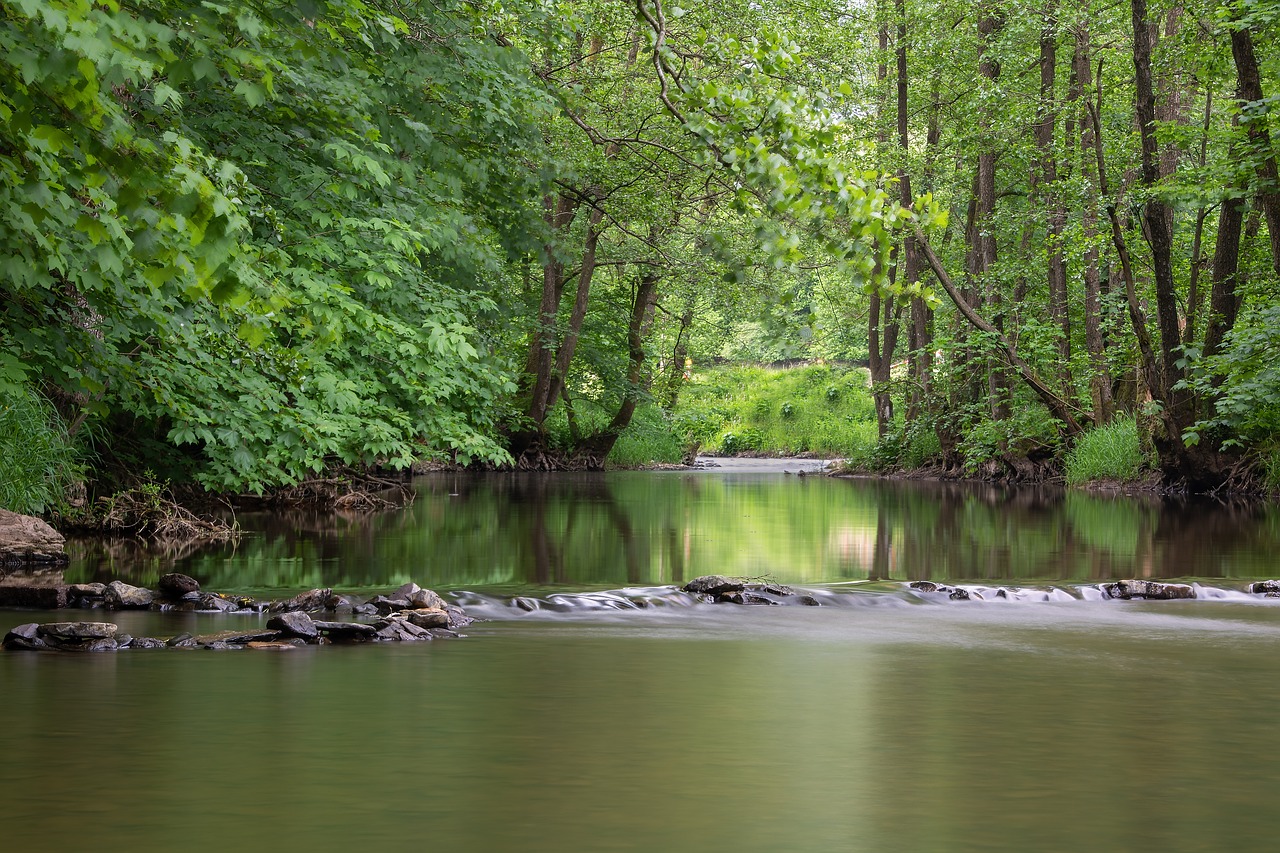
{"x":816,"y":410}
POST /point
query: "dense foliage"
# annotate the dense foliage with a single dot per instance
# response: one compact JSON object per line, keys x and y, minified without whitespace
{"x":242,"y":245}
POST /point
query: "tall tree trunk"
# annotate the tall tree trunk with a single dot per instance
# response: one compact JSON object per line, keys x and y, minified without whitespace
{"x":1100,"y":372}
{"x":883,"y":313}
{"x":920,"y":342}
{"x":983,"y":246}
{"x":1254,"y":119}
{"x":569,"y":343}
{"x":1156,"y":227}
{"x":1051,"y":196}
{"x":559,"y":212}
{"x":637,"y":386}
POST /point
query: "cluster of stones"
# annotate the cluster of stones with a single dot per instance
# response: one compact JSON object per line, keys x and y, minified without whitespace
{"x":955,"y":593}
{"x":410,"y":614}
{"x":719,"y":589}
{"x":1125,"y":590}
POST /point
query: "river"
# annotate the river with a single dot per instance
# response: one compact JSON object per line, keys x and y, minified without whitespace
{"x":598,"y":709}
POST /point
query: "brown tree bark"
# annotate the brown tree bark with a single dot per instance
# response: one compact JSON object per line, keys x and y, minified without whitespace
{"x":1156,"y":227}
{"x":1100,"y":371}
{"x":1249,"y":88}
{"x":1045,"y":176}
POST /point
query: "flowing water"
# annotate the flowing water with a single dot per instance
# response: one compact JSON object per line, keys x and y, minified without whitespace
{"x":600,"y":709}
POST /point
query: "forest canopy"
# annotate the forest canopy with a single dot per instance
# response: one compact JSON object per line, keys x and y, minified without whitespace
{"x":244,"y":244}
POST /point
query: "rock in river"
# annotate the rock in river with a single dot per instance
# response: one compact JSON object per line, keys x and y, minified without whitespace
{"x":1151,"y":590}
{"x":295,"y":623}
{"x":347,"y":632}
{"x":175,"y":585}
{"x":723,"y":590}
{"x":121,"y":596}
{"x":316,"y":599}
{"x":27,"y":539}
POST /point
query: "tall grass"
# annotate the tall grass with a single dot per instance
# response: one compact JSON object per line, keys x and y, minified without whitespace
{"x":1108,"y":453}
{"x":38,"y":460}
{"x":649,"y":439}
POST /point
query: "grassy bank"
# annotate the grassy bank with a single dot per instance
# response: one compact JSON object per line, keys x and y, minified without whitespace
{"x":816,"y":410}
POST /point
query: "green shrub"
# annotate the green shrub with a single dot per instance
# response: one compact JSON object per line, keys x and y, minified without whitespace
{"x":745,"y":440}
{"x":1109,"y":452}
{"x":651,"y":438}
{"x":788,"y":410}
{"x":38,"y":460}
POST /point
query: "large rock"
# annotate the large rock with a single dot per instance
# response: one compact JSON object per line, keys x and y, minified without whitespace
{"x":723,"y":590}
{"x":122,"y":596}
{"x":27,"y":539}
{"x":389,"y":604}
{"x":315,"y":599}
{"x":1269,"y":587}
{"x":1151,"y":590}
{"x":175,"y":586}
{"x":25,"y":638}
{"x":63,"y":636}
{"x":347,"y":632}
{"x":213,"y":601}
{"x":86,"y":594}
{"x":295,"y":623}
{"x":75,"y":632}
{"x":714,"y":585}
{"x":427,"y":617}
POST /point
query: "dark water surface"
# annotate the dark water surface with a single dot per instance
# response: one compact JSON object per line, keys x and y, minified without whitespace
{"x":884,"y":721}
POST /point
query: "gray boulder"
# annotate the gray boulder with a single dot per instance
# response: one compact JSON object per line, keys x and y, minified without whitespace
{"x":295,"y":624}
{"x":122,"y":596}
{"x":175,"y":586}
{"x":25,"y":638}
{"x":347,"y":632}
{"x":1150,"y":590}
{"x":714,"y":585}
{"x":27,"y":539}
{"x":428,"y":617}
{"x":315,"y":599}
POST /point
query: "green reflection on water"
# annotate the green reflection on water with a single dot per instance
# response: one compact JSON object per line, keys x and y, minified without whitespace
{"x":635,"y":528}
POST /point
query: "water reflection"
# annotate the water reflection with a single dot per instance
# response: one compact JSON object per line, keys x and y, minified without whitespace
{"x":636,"y":528}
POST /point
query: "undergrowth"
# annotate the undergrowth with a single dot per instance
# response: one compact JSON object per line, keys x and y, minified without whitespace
{"x":38,"y":459}
{"x":1108,"y":453}
{"x":816,"y":410}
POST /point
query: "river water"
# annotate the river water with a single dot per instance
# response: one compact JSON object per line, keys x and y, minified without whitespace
{"x":598,"y":709}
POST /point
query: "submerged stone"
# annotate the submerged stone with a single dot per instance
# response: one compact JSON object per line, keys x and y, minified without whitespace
{"x":238,"y":638}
